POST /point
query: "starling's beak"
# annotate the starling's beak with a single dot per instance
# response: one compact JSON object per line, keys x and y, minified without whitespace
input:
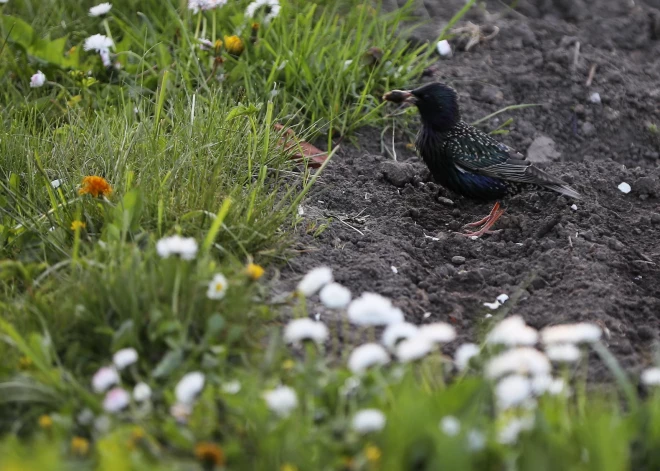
{"x":400,"y":96}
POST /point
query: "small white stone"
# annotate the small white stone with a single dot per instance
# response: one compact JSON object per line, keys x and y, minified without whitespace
{"x":394,"y":269}
{"x":444,"y":48}
{"x":595,"y":98}
{"x":624,"y":187}
{"x":574,"y":207}
{"x":502,"y":298}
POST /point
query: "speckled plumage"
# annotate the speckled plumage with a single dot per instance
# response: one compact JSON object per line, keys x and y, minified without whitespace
{"x":468,"y":161}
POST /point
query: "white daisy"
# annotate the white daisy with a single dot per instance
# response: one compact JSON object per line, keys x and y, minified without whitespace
{"x":181,"y":412}
{"x":281,"y":400}
{"x":476,"y":440}
{"x":397,"y":332}
{"x":508,"y":434}
{"x":38,"y":79}
{"x":335,"y":296}
{"x":512,"y":331}
{"x":197,"y":5}
{"x":104,"y":378}
{"x":373,"y":309}
{"x":217,"y":287}
{"x":523,"y":360}
{"x":189,"y":387}
{"x":563,"y":353}
{"x":98,"y":43}
{"x":141,"y":392}
{"x":299,"y":330}
{"x":414,"y":348}
{"x":464,"y":353}
{"x":314,"y":280}
{"x":116,"y":400}
{"x":55,"y":184}
{"x":185,"y":247}
{"x":124,"y":357}
{"x":368,"y":421}
{"x":512,"y":391}
{"x":232,"y":387}
{"x":365,"y":356}
{"x":100,"y":9}
{"x":450,"y":425}
{"x":273,"y":7}
{"x":651,"y":376}
{"x":583,"y":332}
{"x":437,"y":332}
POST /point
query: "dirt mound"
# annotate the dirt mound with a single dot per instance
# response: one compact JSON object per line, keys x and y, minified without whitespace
{"x":598,"y":261}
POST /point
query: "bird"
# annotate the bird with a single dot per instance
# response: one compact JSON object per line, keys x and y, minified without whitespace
{"x":468,"y":161}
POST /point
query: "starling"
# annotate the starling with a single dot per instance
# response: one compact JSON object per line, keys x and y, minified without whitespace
{"x":468,"y":161}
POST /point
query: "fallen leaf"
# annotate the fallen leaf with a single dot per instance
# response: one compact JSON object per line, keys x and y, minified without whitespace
{"x":303,"y":151}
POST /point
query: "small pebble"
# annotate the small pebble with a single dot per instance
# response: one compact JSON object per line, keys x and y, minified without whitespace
{"x":624,"y":187}
{"x":574,"y":207}
{"x":494,"y":305}
{"x":458,"y":260}
{"x":445,"y":201}
{"x":444,"y":48}
{"x":502,"y":298}
{"x":394,"y":269}
{"x":595,"y":98}
{"x":427,"y":315}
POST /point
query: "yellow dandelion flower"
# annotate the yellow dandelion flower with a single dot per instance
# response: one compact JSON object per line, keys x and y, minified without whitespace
{"x":79,"y":446}
{"x":75,"y":225}
{"x":254,"y":271}
{"x":234,"y":45}
{"x":45,"y":422}
{"x":372,"y":453}
{"x":209,"y":454}
{"x":24,"y":363}
{"x":95,"y":186}
{"x":288,"y":364}
{"x":288,"y":467}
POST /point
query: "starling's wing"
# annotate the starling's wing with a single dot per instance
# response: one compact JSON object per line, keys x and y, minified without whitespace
{"x":483,"y":155}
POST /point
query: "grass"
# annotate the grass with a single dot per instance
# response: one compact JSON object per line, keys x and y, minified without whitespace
{"x":185,"y":138}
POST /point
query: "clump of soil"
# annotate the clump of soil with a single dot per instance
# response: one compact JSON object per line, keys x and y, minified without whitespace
{"x":393,"y":231}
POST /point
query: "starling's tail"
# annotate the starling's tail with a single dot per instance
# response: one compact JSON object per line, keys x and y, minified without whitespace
{"x":563,"y":189}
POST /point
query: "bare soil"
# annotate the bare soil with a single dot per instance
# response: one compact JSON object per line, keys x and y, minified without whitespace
{"x":390,"y":232}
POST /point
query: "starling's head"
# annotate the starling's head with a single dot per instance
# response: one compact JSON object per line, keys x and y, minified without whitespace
{"x":436,"y":102}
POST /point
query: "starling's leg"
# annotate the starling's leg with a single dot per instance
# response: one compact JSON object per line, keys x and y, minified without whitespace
{"x":485,"y":229}
{"x":483,"y":221}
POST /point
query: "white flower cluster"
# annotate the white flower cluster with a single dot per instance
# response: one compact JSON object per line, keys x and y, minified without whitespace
{"x":117,"y":398}
{"x":522,"y":372}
